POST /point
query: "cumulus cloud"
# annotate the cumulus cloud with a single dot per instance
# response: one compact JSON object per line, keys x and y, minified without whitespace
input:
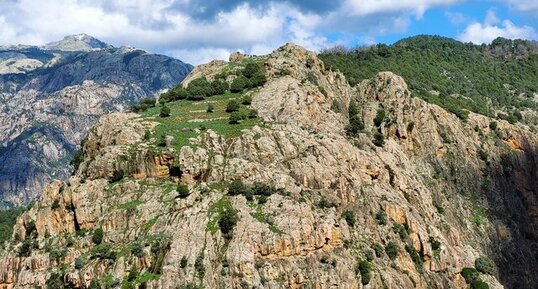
{"x":523,"y":5}
{"x":492,"y":28}
{"x":196,"y":31}
{"x":367,"y":7}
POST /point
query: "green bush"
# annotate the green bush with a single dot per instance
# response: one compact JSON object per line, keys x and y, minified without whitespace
{"x":165,"y":111}
{"x":381,"y":217}
{"x":199,"y":88}
{"x":470,"y":274}
{"x":227,"y":221}
{"x":183,"y":262}
{"x":251,"y":69}
{"x":117,"y":176}
{"x":379,"y":117}
{"x":79,"y":262}
{"x":235,"y":118}
{"x":199,"y":265}
{"x":144,"y":105}
{"x":103,"y":251}
{"x":355,"y":126}
{"x":94,"y":284}
{"x":378,"y":249}
{"x":7,"y":221}
{"x":349,"y":216}
{"x":252,"y":113}
{"x":55,"y":281}
{"x":239,"y":84}
{"x":364,"y":268}
{"x":493,"y":125}
{"x":183,"y":191}
{"x":133,"y":274}
{"x":232,"y":106}
{"x":26,"y":248}
{"x":246,"y":100}
{"x":415,"y":256}
{"x":379,"y":140}
{"x":263,"y":189}
{"x":78,"y":158}
{"x":219,"y":87}
{"x":137,"y":249}
{"x":392,"y":250}
{"x":237,"y":187}
{"x":97,"y":236}
{"x":484,"y":265}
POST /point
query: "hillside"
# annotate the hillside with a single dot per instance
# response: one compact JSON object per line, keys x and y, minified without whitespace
{"x":304,"y":182}
{"x":51,"y":96}
{"x":496,"y":80}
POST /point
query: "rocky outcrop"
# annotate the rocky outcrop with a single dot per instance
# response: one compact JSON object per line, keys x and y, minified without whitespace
{"x":53,"y":95}
{"x":436,"y":194}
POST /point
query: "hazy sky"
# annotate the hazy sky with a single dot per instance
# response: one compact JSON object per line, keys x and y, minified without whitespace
{"x":198,"y":31}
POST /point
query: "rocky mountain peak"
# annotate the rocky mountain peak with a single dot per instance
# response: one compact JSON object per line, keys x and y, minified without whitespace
{"x":77,"y":42}
{"x":320,"y":185}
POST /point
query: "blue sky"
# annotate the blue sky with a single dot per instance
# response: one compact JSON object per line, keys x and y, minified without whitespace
{"x":198,"y":31}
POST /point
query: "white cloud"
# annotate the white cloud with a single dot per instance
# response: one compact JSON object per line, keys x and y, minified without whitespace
{"x":523,"y":5}
{"x":493,"y":28}
{"x":456,"y":18}
{"x":418,"y":7}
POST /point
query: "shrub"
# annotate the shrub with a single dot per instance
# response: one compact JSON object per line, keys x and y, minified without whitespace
{"x":227,"y":221}
{"x":349,"y":216}
{"x":355,"y":126}
{"x":55,"y":281}
{"x":94,"y":284}
{"x":219,"y":87}
{"x":232,"y":106}
{"x":251,"y":69}
{"x":79,"y":262}
{"x":239,"y":84}
{"x":117,"y":176}
{"x":199,"y":265}
{"x":199,"y":88}
{"x":493,"y":125}
{"x":258,"y":79}
{"x":97,"y":236}
{"x":484,"y":265}
{"x":26,"y":248}
{"x":379,"y":140}
{"x":144,"y":105}
{"x":365,"y":268}
{"x":252,"y":113}
{"x":165,"y":111}
{"x":246,"y":100}
{"x":392,"y":250}
{"x":137,"y":249}
{"x":401,"y":231}
{"x":103,"y":251}
{"x":237,"y":187}
{"x":133,"y":274}
{"x":235,"y":118}
{"x":470,"y":274}
{"x":379,"y":117}
{"x":183,"y":191}
{"x":369,"y":255}
{"x":183,"y":262}
{"x":381,"y":218}
{"x":210,"y":108}
{"x":78,"y":158}
{"x":479,"y":284}
{"x":378,"y":249}
{"x":263,"y":189}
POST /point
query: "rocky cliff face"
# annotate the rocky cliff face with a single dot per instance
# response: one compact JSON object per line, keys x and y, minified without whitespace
{"x":420,"y":203}
{"x":51,"y":96}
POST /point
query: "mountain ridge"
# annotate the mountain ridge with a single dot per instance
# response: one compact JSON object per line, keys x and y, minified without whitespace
{"x":65,"y":92}
{"x":326,"y":185}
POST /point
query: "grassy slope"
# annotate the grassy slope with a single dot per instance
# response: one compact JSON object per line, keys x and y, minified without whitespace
{"x":187,"y":117}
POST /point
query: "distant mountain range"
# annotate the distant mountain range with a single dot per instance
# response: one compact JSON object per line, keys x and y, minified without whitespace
{"x":51,"y":95}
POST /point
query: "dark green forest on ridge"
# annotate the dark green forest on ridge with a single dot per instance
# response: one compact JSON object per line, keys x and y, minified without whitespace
{"x":497,"y":80}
